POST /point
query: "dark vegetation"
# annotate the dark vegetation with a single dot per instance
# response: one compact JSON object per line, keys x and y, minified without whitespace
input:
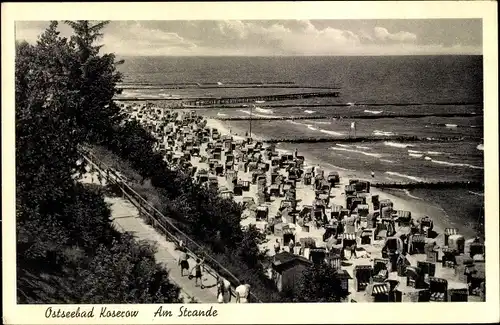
{"x":67,"y":248}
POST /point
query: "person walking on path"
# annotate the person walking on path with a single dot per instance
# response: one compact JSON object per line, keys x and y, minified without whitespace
{"x":183,"y":261}
{"x":180,"y":245}
{"x":197,"y":272}
{"x":242,"y":293}
{"x":224,"y":291}
{"x":227,"y":291}
{"x":220,"y":291}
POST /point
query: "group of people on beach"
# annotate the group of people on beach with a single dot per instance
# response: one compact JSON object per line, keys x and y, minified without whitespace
{"x":224,"y":291}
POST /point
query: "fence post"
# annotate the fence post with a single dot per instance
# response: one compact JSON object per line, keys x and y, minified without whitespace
{"x":141,"y":214}
{"x":155,"y":224}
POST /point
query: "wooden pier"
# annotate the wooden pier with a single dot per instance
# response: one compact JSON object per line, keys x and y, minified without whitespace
{"x":168,"y":84}
{"x":252,"y":99}
{"x":142,"y":87}
{"x":204,"y":101}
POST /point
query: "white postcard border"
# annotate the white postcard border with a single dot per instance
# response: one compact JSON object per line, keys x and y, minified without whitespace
{"x":260,"y":313}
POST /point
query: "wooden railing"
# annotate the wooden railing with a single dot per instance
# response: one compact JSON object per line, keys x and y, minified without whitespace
{"x":161,"y":223}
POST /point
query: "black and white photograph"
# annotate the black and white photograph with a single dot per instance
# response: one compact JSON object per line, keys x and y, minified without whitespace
{"x":193,"y":163}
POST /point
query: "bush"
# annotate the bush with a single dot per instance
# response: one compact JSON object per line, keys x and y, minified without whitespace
{"x":319,"y":283}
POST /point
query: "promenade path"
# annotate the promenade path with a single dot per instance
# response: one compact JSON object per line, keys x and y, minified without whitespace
{"x":126,"y":218}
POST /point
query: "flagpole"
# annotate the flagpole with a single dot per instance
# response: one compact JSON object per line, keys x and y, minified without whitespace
{"x":250,"y":121}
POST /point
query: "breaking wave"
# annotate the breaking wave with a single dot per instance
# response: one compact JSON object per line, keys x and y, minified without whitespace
{"x":451,"y":125}
{"x":263,"y":110}
{"x":250,"y":113}
{"x":338,"y":167}
{"x":397,"y":144}
{"x":383,"y":133}
{"x":480,"y":147}
{"x":221,"y":114}
{"x":331,"y":132}
{"x":376,"y":155}
{"x":372,"y":112}
{"x":476,"y":193}
{"x":309,"y":112}
{"x":455,"y":164}
{"x":413,"y":178}
{"x":312,"y":128}
{"x":415,"y":155}
{"x":412,"y":196}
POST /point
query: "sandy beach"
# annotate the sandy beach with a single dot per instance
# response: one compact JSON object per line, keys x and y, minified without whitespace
{"x":418,"y":207}
{"x":305,"y":196}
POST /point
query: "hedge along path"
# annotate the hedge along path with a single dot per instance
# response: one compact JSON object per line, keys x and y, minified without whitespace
{"x":163,"y":256}
{"x":159,"y":222}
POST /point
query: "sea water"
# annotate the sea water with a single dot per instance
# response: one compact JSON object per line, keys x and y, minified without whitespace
{"x":369,"y":86}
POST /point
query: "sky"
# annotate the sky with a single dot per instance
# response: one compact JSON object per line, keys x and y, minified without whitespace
{"x":282,"y":37}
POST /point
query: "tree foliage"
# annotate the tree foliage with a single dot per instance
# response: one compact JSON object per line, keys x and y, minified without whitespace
{"x":129,"y":266}
{"x":319,"y":283}
{"x":64,"y":97}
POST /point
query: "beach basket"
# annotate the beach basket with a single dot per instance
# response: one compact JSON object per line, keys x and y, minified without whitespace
{"x":458,"y":295}
{"x":362,"y":277}
{"x":438,"y":289}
